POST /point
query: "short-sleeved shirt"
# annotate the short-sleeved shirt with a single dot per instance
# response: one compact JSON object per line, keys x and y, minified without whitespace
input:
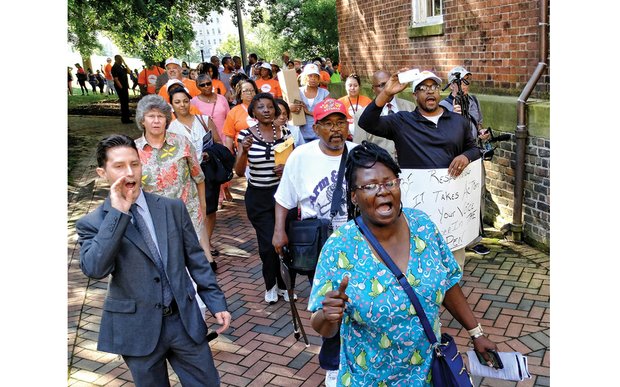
{"x":217,"y":111}
{"x":354,"y":104}
{"x":309,"y":181}
{"x":382,"y":339}
{"x":148,"y":77}
{"x":325,"y":77}
{"x":269,"y":86}
{"x":218,"y":87}
{"x":261,"y":158}
{"x":189,"y":84}
{"x":195,"y":134}
{"x":237,"y":120}
{"x":306,"y":129}
{"x":107,"y":71}
{"x":173,"y":171}
{"x":120,"y":71}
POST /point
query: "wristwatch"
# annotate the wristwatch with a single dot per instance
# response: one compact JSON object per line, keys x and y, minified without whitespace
{"x":476,"y":332}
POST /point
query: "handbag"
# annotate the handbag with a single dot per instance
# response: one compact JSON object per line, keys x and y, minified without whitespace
{"x":447,"y":367}
{"x":218,"y":169}
{"x":306,"y":237}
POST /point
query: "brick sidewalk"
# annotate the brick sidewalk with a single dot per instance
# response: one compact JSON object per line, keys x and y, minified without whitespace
{"x":507,"y":289}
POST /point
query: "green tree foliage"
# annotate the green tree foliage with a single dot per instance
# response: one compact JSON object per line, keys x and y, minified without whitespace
{"x":148,"y":29}
{"x":259,"y":39}
{"x":155,"y":29}
{"x":310,"y":27}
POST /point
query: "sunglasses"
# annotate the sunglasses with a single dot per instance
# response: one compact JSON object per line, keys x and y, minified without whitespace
{"x":205,"y":84}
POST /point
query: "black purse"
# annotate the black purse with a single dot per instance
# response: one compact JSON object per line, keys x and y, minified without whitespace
{"x":218,"y":169}
{"x":307,"y":237}
{"x":447,"y":367}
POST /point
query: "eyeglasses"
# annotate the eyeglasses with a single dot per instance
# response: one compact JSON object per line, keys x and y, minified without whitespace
{"x":427,"y":88}
{"x":248,"y":91}
{"x":374,"y":187}
{"x":380,"y":85}
{"x":330,"y":125}
{"x":205,"y":84}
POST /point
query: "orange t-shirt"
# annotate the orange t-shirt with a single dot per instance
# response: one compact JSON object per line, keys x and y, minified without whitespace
{"x":190,"y":85}
{"x":148,"y":77}
{"x":325,"y":78}
{"x":218,"y":86}
{"x":237,"y":119}
{"x":107,"y":70}
{"x":269,"y":86}
{"x":361,"y":101}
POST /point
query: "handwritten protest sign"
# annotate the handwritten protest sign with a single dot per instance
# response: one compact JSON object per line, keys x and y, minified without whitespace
{"x":453,"y":204}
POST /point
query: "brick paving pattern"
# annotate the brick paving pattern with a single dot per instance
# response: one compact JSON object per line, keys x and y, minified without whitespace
{"x":508,"y":290}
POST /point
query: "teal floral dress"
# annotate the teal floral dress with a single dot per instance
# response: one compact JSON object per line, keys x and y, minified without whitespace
{"x":382,"y":340}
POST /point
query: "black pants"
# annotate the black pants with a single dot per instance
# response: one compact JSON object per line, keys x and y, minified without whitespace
{"x":260,"y":206}
{"x":123,"y":97}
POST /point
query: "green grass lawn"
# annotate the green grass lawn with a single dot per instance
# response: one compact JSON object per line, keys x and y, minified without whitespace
{"x":78,"y":99}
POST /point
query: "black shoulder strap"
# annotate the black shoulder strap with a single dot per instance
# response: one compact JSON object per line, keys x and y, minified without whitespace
{"x":337,"y":198}
{"x":402,"y":279}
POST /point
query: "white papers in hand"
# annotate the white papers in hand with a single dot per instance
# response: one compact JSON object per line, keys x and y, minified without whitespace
{"x":515,"y":367}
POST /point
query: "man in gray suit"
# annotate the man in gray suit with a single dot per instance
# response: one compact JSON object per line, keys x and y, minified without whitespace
{"x":148,"y":245}
{"x":395,"y":105}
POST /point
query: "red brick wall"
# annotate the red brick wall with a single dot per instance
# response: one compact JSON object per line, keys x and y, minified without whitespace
{"x":497,"y":40}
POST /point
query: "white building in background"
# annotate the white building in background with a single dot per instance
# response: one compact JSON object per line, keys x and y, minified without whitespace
{"x":210,"y":36}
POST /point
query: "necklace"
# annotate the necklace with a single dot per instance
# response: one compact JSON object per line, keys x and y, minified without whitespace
{"x":260,"y":135}
{"x":269,"y":145}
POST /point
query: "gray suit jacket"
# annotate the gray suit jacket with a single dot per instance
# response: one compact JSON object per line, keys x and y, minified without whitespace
{"x":359,"y":134}
{"x":132,"y":312}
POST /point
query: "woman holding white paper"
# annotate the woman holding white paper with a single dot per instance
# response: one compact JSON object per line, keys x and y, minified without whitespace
{"x":353,"y":292}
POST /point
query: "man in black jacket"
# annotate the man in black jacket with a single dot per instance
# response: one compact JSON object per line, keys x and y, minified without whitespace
{"x":429,"y":137}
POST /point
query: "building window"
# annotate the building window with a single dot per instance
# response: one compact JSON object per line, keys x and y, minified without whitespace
{"x":201,"y":43}
{"x":209,"y":41}
{"x":427,"y":12}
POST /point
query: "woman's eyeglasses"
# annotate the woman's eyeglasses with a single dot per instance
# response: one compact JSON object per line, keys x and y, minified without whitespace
{"x":374,"y":187}
{"x":205,"y":84}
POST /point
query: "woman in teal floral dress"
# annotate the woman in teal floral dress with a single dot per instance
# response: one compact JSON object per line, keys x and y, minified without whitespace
{"x":383,"y":342}
{"x":169,"y":164}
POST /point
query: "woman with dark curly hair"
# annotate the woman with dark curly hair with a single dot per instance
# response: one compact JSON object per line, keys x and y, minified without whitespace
{"x":382,"y":336}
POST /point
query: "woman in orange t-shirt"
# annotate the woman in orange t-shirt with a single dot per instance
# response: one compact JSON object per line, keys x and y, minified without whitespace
{"x":238,"y":118}
{"x":354,"y":100}
{"x":266,"y":83}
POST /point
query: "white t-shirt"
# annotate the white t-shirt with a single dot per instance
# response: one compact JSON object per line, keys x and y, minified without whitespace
{"x":195,"y":136}
{"x":309,"y":179}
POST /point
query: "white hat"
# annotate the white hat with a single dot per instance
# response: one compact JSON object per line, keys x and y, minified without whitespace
{"x":457,"y":70}
{"x":173,"y":61}
{"x":175,"y":82}
{"x":423,"y":76}
{"x":265,"y":65}
{"x":311,"y":68}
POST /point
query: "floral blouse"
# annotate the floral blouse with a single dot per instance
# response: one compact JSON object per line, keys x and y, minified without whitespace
{"x":173,"y":171}
{"x":382,"y":340}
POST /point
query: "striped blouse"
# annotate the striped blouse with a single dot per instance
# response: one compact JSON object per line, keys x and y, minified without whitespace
{"x":261,"y":159}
